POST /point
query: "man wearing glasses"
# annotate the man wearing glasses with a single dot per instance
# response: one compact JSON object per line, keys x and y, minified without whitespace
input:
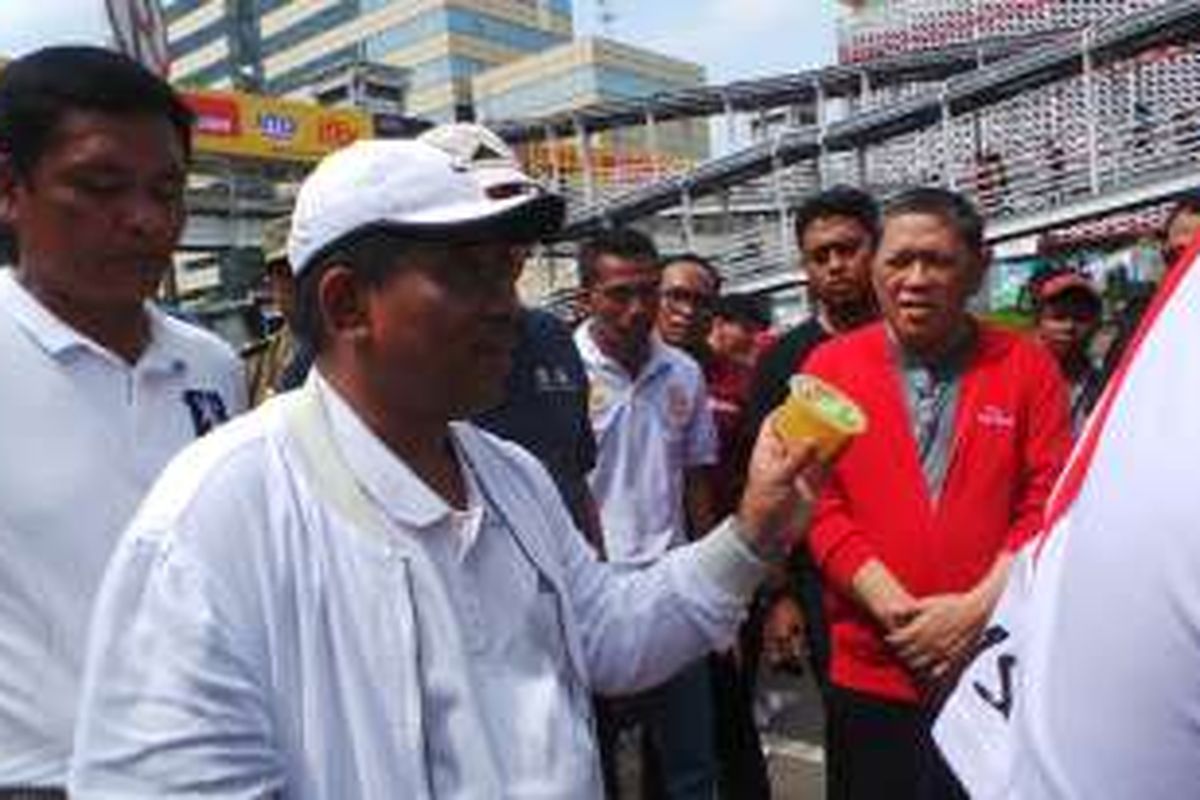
{"x":655,"y":438}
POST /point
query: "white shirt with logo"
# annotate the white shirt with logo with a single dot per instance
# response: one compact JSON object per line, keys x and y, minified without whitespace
{"x":83,"y":435}
{"x":295,"y":611}
{"x":649,"y":430}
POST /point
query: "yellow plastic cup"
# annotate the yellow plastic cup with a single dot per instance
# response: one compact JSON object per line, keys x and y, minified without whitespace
{"x":818,"y":412}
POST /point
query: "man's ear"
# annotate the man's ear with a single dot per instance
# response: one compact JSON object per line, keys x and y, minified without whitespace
{"x":343,"y":302}
{"x":983,"y":264}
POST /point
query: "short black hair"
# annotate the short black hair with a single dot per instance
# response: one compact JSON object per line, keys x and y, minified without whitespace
{"x":1184,"y":204}
{"x":372,"y":257}
{"x":38,"y":90}
{"x":698,"y":260}
{"x":951,"y":207}
{"x":624,"y":243}
{"x":749,"y":309}
{"x":839,"y":201}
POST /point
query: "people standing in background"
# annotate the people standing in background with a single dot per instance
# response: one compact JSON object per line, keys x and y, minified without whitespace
{"x":968,"y":430}
{"x":1067,"y":313}
{"x":1179,"y":232}
{"x":740,"y":323}
{"x":690,"y":293}
{"x":270,"y":361}
{"x":349,"y":593}
{"x":837,"y":232}
{"x":101,"y":388}
{"x":655,"y":443}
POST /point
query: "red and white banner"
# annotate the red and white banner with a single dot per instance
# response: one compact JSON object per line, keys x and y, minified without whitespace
{"x":1086,"y":682}
{"x":140,"y":32}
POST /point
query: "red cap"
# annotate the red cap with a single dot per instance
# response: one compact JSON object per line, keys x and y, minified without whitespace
{"x":1061,"y":284}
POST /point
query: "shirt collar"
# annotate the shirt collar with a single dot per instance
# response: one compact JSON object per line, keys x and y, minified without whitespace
{"x":58,"y":338}
{"x":390,"y":482}
{"x":950,"y":364}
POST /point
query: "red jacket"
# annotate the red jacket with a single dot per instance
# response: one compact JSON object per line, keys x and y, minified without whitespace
{"x":1012,"y":434}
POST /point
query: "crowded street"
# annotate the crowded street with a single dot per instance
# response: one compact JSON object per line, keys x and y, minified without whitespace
{"x":586,"y":399}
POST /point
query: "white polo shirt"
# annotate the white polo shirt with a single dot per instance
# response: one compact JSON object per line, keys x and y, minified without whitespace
{"x":83,"y":435}
{"x":294,"y":610}
{"x":649,"y":430}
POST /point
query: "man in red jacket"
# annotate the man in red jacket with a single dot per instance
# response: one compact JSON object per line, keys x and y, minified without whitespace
{"x":968,"y":429}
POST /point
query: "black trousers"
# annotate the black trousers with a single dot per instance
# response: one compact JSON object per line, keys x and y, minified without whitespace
{"x":881,"y":750}
{"x":742,"y":769}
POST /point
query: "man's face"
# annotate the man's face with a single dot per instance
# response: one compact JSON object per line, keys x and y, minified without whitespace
{"x":98,"y":218}
{"x":837,"y":254}
{"x":1180,"y":234}
{"x":924,"y":274}
{"x":733,"y":339}
{"x":623,"y":302}
{"x":1066,"y":325}
{"x":444,"y":325}
{"x":686,"y":311}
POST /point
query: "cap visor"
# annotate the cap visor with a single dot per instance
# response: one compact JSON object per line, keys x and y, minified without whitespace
{"x":524,"y":218}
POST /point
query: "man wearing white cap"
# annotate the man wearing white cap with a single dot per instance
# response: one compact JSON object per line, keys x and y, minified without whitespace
{"x":347,"y":595}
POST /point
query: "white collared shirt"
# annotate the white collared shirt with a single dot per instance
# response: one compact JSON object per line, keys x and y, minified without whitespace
{"x":649,"y":430}
{"x":506,"y":613}
{"x":83,"y":435}
{"x":255,"y":635}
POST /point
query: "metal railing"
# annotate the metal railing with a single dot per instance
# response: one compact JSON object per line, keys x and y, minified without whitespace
{"x":1108,"y":115}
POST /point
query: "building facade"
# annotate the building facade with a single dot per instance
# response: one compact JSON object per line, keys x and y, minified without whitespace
{"x":591,"y":71}
{"x":281,"y":46}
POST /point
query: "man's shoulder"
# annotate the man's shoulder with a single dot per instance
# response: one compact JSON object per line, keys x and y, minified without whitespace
{"x":219,"y":467}
{"x":1017,"y":349}
{"x":193,"y":343}
{"x":542,"y":323}
{"x":546,"y":338}
{"x":680,"y":363}
{"x":855,"y":349}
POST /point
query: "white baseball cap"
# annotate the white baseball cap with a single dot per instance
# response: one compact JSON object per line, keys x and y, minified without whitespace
{"x":490,"y":157}
{"x":415,"y":189}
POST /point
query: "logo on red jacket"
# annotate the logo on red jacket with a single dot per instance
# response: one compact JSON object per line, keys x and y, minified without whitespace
{"x":996,"y":417}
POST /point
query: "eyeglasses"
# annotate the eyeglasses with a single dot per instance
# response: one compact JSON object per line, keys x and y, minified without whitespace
{"x":685,"y":297}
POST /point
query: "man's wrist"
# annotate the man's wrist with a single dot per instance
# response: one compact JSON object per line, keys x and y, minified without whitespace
{"x":771,"y":549}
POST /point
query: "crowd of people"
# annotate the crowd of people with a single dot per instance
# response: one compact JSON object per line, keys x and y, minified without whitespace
{"x":426,"y":542}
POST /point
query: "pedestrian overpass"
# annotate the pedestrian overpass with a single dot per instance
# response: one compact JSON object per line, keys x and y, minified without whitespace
{"x":1082,"y":130}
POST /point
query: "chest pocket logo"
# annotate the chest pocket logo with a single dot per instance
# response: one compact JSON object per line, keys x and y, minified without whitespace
{"x":598,"y":397}
{"x":207,"y":409}
{"x":679,"y":406}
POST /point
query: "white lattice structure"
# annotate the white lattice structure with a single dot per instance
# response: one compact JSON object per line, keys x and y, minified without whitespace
{"x":873,"y":28}
{"x":1033,"y":151}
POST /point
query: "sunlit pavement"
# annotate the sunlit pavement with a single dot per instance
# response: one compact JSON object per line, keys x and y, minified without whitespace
{"x":792,"y":736}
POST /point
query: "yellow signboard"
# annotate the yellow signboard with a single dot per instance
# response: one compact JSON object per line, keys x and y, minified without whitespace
{"x":235,"y":124}
{"x":253,"y":126}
